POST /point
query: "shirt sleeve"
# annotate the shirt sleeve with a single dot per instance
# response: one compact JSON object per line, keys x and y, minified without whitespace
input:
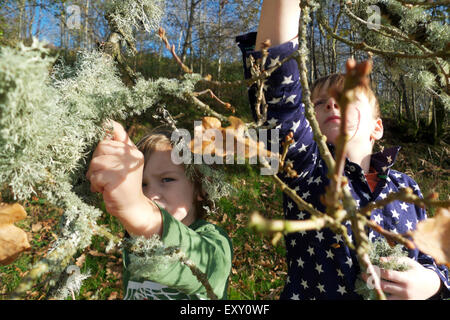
{"x":286,"y":112}
{"x":203,"y":243}
{"x":282,"y":89}
{"x":283,"y":94}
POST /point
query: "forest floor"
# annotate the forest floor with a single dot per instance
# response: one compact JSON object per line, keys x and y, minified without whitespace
{"x":258,"y":270}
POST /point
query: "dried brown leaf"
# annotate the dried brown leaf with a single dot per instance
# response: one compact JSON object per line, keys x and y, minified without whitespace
{"x":211,"y":123}
{"x":206,"y":144}
{"x":80,"y":260}
{"x":36,"y":227}
{"x":113,"y":295}
{"x":432,"y":236}
{"x":13,"y":240}
{"x":96,"y":253}
{"x":10,"y":213}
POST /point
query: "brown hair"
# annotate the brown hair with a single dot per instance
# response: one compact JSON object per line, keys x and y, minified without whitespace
{"x":160,"y":138}
{"x":337,"y":80}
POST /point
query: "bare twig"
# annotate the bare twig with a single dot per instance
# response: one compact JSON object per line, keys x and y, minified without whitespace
{"x":406,"y":195}
{"x":260,"y":98}
{"x":162,"y":35}
{"x":203,"y":106}
{"x":212,"y":95}
{"x":201,"y":277}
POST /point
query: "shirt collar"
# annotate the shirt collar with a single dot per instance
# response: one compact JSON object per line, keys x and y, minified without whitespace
{"x":383,"y":160}
{"x":380,"y":161}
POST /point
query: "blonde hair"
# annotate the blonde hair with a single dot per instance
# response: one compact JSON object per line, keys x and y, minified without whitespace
{"x":336,"y":80}
{"x":160,"y":139}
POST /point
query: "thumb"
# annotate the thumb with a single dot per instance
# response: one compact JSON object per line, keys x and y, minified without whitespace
{"x":119,"y":133}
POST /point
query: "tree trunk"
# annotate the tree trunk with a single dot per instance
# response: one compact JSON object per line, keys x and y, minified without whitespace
{"x":333,"y":40}
{"x":219,"y":44}
{"x":414,"y":108}
{"x":21,"y":5}
{"x":434,"y":122}
{"x":405,"y":98}
{"x":30,"y":19}
{"x":86,"y":25}
{"x":430,"y":113}
{"x":62,"y":29}
{"x":188,"y":39}
{"x":439,"y":119}
{"x":313,"y":50}
{"x":160,"y":53}
{"x":400,"y":104}
{"x":322,"y":51}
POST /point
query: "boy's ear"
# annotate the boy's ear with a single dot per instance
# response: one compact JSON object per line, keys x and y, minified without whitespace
{"x":377,"y":132}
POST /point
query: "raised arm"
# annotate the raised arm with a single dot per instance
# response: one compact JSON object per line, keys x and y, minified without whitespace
{"x":116,"y":171}
{"x":278,"y":21}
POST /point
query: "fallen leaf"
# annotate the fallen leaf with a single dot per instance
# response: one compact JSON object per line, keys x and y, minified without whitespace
{"x":432,"y":236}
{"x":224,"y":218}
{"x":13,"y":240}
{"x":95,"y":253}
{"x":10,"y":213}
{"x":80,"y":260}
{"x":36,"y":227}
{"x":113,"y":295}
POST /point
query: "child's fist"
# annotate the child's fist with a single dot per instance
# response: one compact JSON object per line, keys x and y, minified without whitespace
{"x":116,"y":171}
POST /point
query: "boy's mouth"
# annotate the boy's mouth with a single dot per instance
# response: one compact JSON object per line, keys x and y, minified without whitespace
{"x":333,"y":119}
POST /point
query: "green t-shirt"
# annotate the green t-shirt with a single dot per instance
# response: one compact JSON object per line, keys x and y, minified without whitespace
{"x":203,"y":243}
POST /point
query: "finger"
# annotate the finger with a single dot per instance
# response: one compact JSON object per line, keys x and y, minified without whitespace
{"x":394,"y":297}
{"x":110,"y":147}
{"x":366,"y":274}
{"x":119,"y":133}
{"x":392,"y":288}
{"x":103,"y":163}
{"x":99,"y":181}
{"x":96,"y":188}
{"x":394,"y":276}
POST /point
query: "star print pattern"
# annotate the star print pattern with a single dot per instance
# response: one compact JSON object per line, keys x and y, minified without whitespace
{"x":320,"y":266}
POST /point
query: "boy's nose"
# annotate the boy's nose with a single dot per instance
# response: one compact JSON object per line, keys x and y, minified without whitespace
{"x":331,"y":104}
{"x":151,"y":193}
{"x":155,"y":196}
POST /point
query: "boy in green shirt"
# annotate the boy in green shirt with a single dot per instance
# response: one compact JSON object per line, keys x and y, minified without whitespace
{"x":150,"y":195}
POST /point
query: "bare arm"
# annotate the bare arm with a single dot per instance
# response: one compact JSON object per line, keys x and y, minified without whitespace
{"x":116,"y":171}
{"x":278,"y":21}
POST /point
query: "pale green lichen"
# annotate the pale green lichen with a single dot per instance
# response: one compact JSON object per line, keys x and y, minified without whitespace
{"x":149,"y":256}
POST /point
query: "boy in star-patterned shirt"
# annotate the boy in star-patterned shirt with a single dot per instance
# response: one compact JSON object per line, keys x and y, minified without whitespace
{"x":320,"y":266}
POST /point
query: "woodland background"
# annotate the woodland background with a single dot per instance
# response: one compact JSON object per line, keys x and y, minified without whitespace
{"x":203,"y":32}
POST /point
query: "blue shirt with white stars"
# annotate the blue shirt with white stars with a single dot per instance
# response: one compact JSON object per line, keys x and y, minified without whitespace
{"x":320,"y":265}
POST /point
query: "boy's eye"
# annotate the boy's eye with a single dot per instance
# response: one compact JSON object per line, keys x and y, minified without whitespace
{"x":144,"y":184}
{"x":167,"y":179}
{"x":319,"y":103}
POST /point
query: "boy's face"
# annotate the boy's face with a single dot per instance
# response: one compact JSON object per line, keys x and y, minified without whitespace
{"x":362,"y":126}
{"x":167,"y":185}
